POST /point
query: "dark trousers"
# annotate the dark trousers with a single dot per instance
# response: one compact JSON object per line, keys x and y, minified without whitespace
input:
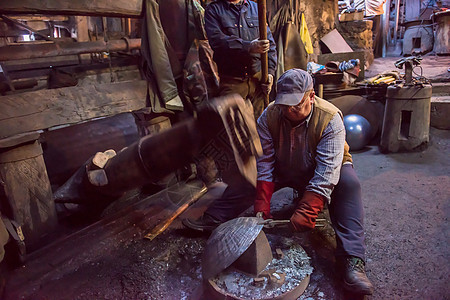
{"x":377,"y":35}
{"x":249,"y":88}
{"x":346,"y":210}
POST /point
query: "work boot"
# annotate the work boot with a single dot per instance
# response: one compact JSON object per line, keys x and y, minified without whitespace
{"x":205,"y":223}
{"x":351,"y":271}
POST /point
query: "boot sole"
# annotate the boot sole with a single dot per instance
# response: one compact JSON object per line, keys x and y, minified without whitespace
{"x":353,"y":288}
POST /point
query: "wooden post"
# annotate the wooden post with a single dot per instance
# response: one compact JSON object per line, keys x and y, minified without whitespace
{"x":27,"y":187}
{"x":83,"y":35}
{"x":263,"y":36}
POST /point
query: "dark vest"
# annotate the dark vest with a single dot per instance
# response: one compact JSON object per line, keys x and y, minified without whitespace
{"x":323,"y":112}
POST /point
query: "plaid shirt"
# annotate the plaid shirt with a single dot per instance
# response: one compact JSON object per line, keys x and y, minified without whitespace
{"x":292,"y":163}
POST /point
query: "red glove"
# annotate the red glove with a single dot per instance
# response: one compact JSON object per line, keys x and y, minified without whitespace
{"x":264,"y":191}
{"x":304,"y":217}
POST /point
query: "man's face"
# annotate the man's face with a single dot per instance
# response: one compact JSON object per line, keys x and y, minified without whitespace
{"x":299,"y":112}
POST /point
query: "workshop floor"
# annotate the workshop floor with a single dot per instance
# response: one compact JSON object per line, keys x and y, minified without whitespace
{"x":407,"y":205}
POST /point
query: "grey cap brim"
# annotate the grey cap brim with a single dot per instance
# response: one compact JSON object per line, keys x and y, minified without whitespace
{"x":289,"y":99}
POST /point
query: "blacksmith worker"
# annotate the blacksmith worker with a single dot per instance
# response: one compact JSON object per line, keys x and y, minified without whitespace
{"x":303,"y":141}
{"x":232,"y":28}
{"x":233,"y":33}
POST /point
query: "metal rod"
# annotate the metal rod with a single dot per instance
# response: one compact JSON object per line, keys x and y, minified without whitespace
{"x":385,"y":32}
{"x":27,"y":51}
{"x":397,"y":14}
{"x":158,"y":229}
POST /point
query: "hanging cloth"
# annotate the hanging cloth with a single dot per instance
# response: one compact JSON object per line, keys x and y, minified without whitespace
{"x":304,"y":35}
{"x":201,"y":78}
{"x":156,"y":65}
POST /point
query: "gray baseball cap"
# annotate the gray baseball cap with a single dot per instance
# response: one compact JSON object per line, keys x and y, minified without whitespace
{"x":292,"y":85}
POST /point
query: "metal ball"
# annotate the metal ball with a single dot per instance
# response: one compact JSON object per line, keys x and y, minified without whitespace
{"x":357,"y":130}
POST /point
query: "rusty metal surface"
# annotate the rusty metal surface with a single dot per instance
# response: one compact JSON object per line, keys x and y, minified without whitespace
{"x":227,"y":243}
{"x":284,"y":278}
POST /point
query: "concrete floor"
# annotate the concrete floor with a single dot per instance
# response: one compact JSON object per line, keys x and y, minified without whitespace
{"x":433,"y":67}
{"x":407,"y":204}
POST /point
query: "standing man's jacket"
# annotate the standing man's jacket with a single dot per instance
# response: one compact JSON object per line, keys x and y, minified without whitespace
{"x":230,"y":33}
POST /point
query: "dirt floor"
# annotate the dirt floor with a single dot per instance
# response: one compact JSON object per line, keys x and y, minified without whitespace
{"x":407,"y":204}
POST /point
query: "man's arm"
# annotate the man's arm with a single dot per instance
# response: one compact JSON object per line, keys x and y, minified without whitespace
{"x":218,"y":40}
{"x":330,"y":151}
{"x":266,"y":162}
{"x":272,"y":55}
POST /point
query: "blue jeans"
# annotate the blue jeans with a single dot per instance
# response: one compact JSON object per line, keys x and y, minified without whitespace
{"x":346,"y":210}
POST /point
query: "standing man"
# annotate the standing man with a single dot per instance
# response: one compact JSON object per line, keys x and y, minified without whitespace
{"x":232,"y":28}
{"x":233,"y":33}
{"x":303,"y":142}
{"x":373,"y":11}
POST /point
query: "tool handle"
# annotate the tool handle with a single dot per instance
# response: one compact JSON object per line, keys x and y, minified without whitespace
{"x":263,"y":36}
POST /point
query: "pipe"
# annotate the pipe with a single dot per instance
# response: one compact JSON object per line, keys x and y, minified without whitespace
{"x":28,"y":51}
{"x":385,"y":25}
{"x":397,"y":14}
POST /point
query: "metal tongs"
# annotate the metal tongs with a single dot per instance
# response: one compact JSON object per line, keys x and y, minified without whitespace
{"x":270,"y":223}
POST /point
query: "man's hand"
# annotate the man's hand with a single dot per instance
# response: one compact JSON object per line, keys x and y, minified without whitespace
{"x":264,"y":191}
{"x":304,"y":217}
{"x":267,"y":87}
{"x":259,"y":46}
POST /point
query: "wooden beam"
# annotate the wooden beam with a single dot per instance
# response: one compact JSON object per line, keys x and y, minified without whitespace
{"x":43,"y":109}
{"x":39,"y":18}
{"x":46,"y":49}
{"x":119,"y":8}
{"x":82,"y":29}
{"x":83,"y":35}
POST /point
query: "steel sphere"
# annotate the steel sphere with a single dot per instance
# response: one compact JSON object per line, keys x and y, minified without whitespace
{"x":357,"y":130}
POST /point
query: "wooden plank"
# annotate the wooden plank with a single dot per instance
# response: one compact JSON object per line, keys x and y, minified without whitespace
{"x":91,"y":244}
{"x":40,"y":62}
{"x":40,"y":18}
{"x":80,"y":7}
{"x":47,"y":108}
{"x":83,"y":35}
{"x":82,"y":29}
